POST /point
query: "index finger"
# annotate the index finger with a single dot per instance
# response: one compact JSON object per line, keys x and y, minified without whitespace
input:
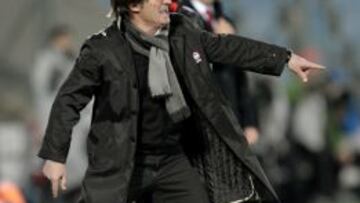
{"x":55,"y":187}
{"x":315,"y":65}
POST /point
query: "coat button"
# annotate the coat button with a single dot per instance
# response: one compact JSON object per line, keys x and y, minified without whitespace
{"x":135,"y":85}
{"x":132,"y":139}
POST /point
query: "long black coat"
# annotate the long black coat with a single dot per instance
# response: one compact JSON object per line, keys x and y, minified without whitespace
{"x":232,"y":80}
{"x":105,"y":70}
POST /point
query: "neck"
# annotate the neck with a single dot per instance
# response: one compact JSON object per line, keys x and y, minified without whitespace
{"x":145,"y":27}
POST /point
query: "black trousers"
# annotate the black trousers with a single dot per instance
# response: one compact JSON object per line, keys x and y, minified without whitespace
{"x":165,"y":178}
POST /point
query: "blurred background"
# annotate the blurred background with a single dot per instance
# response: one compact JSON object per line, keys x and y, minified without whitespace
{"x":308,"y":135}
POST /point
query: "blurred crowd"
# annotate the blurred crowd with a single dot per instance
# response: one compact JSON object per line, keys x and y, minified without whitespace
{"x":307,"y":135}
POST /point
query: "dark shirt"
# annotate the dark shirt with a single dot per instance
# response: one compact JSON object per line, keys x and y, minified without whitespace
{"x":157,"y":132}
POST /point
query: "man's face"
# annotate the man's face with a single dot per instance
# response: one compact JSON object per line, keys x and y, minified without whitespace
{"x":153,"y":12}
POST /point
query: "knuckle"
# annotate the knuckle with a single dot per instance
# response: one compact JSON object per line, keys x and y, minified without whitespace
{"x":54,"y":178}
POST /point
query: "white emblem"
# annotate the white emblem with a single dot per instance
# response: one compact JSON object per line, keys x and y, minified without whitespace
{"x":197,"y":57}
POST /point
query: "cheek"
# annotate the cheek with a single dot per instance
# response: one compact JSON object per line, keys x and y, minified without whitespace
{"x":155,"y":9}
{"x":149,"y":15}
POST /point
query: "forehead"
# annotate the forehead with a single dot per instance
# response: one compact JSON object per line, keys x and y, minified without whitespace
{"x":156,"y":4}
{"x":153,"y":1}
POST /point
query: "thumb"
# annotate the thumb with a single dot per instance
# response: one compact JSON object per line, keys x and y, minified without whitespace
{"x":63,"y":182}
{"x":302,"y":75}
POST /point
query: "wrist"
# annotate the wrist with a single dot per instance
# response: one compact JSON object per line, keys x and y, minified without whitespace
{"x":289,"y":55}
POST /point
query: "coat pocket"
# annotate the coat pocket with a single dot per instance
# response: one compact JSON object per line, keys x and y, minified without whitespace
{"x":100,"y":145}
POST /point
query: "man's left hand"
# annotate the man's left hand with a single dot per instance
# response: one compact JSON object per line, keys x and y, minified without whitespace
{"x":303,"y":67}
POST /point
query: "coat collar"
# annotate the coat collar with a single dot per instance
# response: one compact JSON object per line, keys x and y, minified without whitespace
{"x":122,"y":49}
{"x":177,"y":39}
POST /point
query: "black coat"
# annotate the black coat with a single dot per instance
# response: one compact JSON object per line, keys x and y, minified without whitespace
{"x":105,"y":70}
{"x":232,"y":80}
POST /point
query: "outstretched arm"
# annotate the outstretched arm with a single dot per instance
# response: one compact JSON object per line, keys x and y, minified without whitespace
{"x":254,"y":55}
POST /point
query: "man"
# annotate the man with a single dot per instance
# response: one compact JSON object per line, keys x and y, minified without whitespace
{"x":232,"y":81}
{"x":159,"y":129}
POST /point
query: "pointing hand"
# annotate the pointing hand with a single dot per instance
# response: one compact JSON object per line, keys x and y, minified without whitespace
{"x":302,"y":67}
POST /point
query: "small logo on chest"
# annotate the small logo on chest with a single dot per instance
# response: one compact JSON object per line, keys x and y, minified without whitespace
{"x":197,"y":57}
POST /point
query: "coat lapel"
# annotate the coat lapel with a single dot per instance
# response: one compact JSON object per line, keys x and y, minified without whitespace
{"x":187,"y":70}
{"x":122,"y":53}
{"x":178,"y":52}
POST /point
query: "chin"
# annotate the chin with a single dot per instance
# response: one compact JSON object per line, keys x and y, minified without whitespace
{"x":165,"y":21}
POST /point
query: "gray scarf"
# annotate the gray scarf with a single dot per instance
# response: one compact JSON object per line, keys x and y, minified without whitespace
{"x":161,"y":76}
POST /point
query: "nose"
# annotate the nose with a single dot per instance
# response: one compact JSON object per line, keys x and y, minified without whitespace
{"x":167,"y":2}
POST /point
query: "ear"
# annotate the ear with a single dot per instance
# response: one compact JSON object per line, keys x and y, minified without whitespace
{"x":135,"y":8}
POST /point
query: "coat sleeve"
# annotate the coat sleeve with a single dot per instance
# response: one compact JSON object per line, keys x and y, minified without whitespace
{"x":244,"y":53}
{"x":74,"y":94}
